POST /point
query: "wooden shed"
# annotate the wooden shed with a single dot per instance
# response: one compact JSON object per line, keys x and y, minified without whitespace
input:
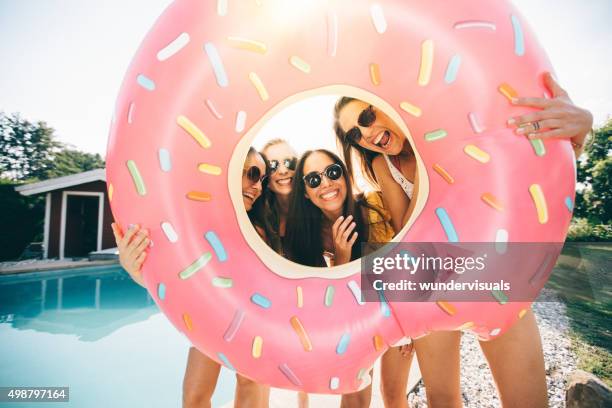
{"x":77,"y":214}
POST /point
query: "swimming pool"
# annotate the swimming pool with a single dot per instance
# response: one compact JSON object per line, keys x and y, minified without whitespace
{"x":97,"y":332}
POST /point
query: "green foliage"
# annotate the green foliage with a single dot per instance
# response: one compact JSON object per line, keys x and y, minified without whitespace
{"x":69,"y":161}
{"x":581,"y":230}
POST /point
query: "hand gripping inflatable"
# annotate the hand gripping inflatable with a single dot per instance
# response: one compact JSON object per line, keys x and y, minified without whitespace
{"x":210,"y":73}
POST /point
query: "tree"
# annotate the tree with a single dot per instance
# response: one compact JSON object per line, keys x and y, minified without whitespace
{"x":70,"y":161}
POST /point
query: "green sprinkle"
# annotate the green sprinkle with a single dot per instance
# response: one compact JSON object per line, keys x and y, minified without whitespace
{"x":538,"y":147}
{"x":222,"y":282}
{"x":435,"y":135}
{"x":196,"y":266}
{"x":136,"y":177}
{"x":500,"y":296}
{"x":329,"y":295}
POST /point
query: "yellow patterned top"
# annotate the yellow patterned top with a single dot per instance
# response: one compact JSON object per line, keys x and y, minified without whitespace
{"x":379,"y":223}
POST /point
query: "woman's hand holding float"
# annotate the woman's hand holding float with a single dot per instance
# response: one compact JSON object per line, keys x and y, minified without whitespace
{"x":343,"y":239}
{"x":132,"y":247}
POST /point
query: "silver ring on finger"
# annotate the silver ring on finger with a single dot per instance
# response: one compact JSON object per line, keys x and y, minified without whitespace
{"x":536,"y":126}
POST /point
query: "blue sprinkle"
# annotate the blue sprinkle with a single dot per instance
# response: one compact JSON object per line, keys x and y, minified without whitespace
{"x":384,"y":306}
{"x":569,"y":204}
{"x":215,"y":242}
{"x":164,"y":160}
{"x":447,"y":224}
{"x":519,"y":38}
{"x":225,"y":361}
{"x":145,"y":82}
{"x":453,"y":69}
{"x":343,"y":343}
{"x":261,"y":300}
{"x":217,"y":65}
{"x":161,"y":291}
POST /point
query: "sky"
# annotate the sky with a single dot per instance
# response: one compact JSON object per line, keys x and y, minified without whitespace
{"x":63,"y":60}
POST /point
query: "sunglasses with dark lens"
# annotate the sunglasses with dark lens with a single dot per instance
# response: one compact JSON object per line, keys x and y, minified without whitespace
{"x":290,"y":163}
{"x":365,"y":119}
{"x":254,"y":175}
{"x":332,"y":172}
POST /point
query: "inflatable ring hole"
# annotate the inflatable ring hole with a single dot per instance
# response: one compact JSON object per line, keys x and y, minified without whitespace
{"x":275,"y":262}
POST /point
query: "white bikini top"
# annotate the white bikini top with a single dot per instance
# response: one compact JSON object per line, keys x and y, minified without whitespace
{"x":406,"y":184}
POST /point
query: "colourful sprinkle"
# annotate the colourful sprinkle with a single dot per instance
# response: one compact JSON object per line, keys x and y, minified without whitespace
{"x":492,"y":201}
{"x":361,"y":373}
{"x":301,"y":332}
{"x":443,"y":173}
{"x":217,"y":246}
{"x":188,"y":322}
{"x":334,"y":383}
{"x":384,"y":306}
{"x":495,"y":332}
{"x":209,"y":169}
{"x":161,"y":291}
{"x":261,"y":300}
{"x":241,"y":117}
{"x":175,"y":46}
{"x":169,"y":231}
{"x":211,"y":107}
{"x":248,"y":45}
{"x":234,"y":326}
{"x":217,"y":64}
{"x":568,"y":203}
{"x":378,"y":18}
{"x":379,"y":343}
{"x":222,"y":7}
{"x":546,"y":266}
{"x":111,"y":191}
{"x":257,"y":346}
{"x":538,"y":147}
{"x":501,"y":241}
{"x":356,"y":291}
{"x":165,"y":163}
{"x":475,"y":24}
{"x":130,"y":115}
{"x":375,"y":74}
{"x":300,"y":296}
{"x":332,"y":33}
{"x":411,"y":109}
{"x":519,"y":38}
{"x":284,"y":368}
{"x":500,"y":296}
{"x":343,"y":343}
{"x":447,"y":225}
{"x":537,"y":195}
{"x":452,"y":69}
{"x":220,"y":282}
{"x":447,"y":307}
{"x":146,"y":82}
{"x":475,"y":123}
{"x":189,"y":127}
{"x":509,"y":92}
{"x":199,"y":196}
{"x":329,"y":295}
{"x":136,"y":178}
{"x":195,"y":266}
{"x":300,"y":64}
{"x":522,"y":313}
{"x":435,"y":135}
{"x":259,"y":86}
{"x":477,"y":154}
{"x":225,"y":361}
{"x":427,"y":56}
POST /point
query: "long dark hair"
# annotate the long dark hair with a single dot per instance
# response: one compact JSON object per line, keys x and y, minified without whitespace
{"x":305,"y":221}
{"x":256,"y":213}
{"x":366,"y":156}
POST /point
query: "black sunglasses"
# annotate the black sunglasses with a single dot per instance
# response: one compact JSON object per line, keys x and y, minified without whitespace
{"x":290,"y":163}
{"x":332,"y":172}
{"x":365,"y":119}
{"x":254,"y":175}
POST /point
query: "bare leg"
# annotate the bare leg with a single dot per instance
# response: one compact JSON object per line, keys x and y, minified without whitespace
{"x":439,"y":359}
{"x":249,"y":394}
{"x":517,"y":364}
{"x":359,"y":399}
{"x":302,"y":399}
{"x":200,"y":380}
{"x":394,"y":370}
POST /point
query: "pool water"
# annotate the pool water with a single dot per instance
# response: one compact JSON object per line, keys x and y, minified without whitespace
{"x":96,"y":331}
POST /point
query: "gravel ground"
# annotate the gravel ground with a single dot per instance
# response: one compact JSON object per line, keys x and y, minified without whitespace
{"x":477,"y":385}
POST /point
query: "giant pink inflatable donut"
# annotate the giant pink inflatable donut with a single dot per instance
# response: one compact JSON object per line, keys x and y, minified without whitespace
{"x":211,"y":72}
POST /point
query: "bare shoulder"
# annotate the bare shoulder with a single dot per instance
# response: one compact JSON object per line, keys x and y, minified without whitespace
{"x":379,"y":165}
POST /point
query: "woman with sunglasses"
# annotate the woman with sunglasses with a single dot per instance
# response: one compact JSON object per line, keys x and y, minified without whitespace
{"x":202,"y":372}
{"x":515,"y":358}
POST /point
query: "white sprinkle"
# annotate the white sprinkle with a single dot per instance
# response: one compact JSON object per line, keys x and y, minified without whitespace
{"x":332,"y":33}
{"x":300,"y":64}
{"x":475,"y":24}
{"x":164,"y":160}
{"x":240,"y":121}
{"x":175,"y":46}
{"x":476,"y":126}
{"x":222,"y":7}
{"x":212,"y":109}
{"x":334,"y":383}
{"x":354,"y":287}
{"x":217,"y":64}
{"x":495,"y":332}
{"x":501,"y":241}
{"x":378,"y":18}
{"x":130,"y":113}
{"x":169,"y":231}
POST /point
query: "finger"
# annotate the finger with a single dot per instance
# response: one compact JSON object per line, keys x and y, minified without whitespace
{"x":348,"y":231}
{"x":533,"y":117}
{"x":133,"y":247}
{"x":336,"y":225}
{"x":556,"y":133}
{"x":542,"y":126}
{"x":553,"y":86}
{"x":541,"y":103}
{"x":345,"y":224}
{"x":353,"y":239}
{"x":140,"y":260}
{"x":116,"y":232}
{"x":132,"y":230}
{"x":143,"y":245}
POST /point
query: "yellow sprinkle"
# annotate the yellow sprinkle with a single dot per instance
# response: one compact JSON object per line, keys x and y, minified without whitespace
{"x":194,"y":131}
{"x":465,"y":326}
{"x":248,"y":45}
{"x":300,"y":64}
{"x":411,"y":109}
{"x":111,"y":190}
{"x":257,"y":345}
{"x":442,"y":172}
{"x":477,"y":153}
{"x":188,"y":322}
{"x":447,"y":307}
{"x":508,"y":92}
{"x":300,"y":297}
{"x":492,"y":201}
{"x":199,"y":196}
{"x":427,"y":56}
{"x":261,"y":89}
{"x":209,"y":169}
{"x":375,"y":74}
{"x":378,"y":342}
{"x":522,"y":313}
{"x":540,"y":202}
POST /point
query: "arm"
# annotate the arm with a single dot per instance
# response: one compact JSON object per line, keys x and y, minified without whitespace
{"x":415,"y":194}
{"x":394,"y":197}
